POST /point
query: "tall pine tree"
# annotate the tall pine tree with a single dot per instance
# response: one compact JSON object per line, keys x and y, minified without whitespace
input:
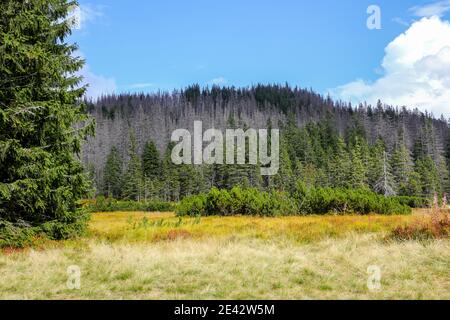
{"x":340,"y":166}
{"x":42,"y":123}
{"x":402,"y":170}
{"x":171,"y":176}
{"x":133,"y":183}
{"x":151,"y":162}
{"x":112,"y":175}
{"x":358,"y":173}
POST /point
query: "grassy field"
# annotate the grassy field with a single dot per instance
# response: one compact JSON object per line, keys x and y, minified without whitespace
{"x":159,"y":256}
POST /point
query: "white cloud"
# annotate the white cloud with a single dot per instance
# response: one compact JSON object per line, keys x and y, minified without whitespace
{"x":218,"y":81}
{"x":97,"y":84}
{"x":416,"y":69}
{"x":141,"y":85}
{"x":438,"y":8}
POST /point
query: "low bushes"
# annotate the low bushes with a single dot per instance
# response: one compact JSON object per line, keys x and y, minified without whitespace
{"x":102,"y":204}
{"x":360,"y":201}
{"x":192,"y":206}
{"x":237,"y":201}
{"x":414,"y":202}
{"x":302,"y":201}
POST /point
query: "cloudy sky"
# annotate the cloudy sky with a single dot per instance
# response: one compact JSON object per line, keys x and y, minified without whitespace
{"x":140,"y":45}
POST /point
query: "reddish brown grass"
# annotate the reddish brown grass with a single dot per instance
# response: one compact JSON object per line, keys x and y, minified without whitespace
{"x":173,"y":235}
{"x":434,"y":225}
{"x":8,"y":251}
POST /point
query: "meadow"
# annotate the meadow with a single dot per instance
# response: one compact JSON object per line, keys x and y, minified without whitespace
{"x":137,"y":255}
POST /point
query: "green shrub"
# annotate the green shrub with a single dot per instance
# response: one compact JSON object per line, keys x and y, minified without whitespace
{"x":341,"y":201}
{"x":218,"y":202}
{"x":237,"y":201}
{"x":414,"y":202}
{"x":303,"y":201}
{"x":282,"y":204}
{"x":192,"y":206}
{"x":102,"y":204}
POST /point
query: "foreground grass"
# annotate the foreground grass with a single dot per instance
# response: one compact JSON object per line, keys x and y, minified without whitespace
{"x":129,"y":257}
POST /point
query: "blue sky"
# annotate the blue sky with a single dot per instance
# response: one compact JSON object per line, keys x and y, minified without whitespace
{"x":140,"y":45}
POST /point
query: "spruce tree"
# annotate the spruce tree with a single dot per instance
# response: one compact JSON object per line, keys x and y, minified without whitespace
{"x":92,"y":176}
{"x":402,"y":169}
{"x":340,"y":166}
{"x":428,"y":176}
{"x":284,"y":179}
{"x":358,"y":173}
{"x":171,"y":176}
{"x":188,"y":179}
{"x":208,"y":177}
{"x":42,"y":123}
{"x":133,"y":183}
{"x":151,"y":162}
{"x":308,"y":173}
{"x":152,"y":171}
{"x":112,"y":175}
{"x":425,"y":168}
{"x":376,"y":162}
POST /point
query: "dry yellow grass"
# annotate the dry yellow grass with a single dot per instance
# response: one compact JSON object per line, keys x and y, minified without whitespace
{"x":155,"y":227}
{"x":231,"y":258}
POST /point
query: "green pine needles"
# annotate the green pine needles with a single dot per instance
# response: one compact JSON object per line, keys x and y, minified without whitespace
{"x":42,"y":122}
{"x":303,"y":201}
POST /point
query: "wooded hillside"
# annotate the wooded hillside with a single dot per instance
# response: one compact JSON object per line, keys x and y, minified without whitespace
{"x":324,"y":142}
